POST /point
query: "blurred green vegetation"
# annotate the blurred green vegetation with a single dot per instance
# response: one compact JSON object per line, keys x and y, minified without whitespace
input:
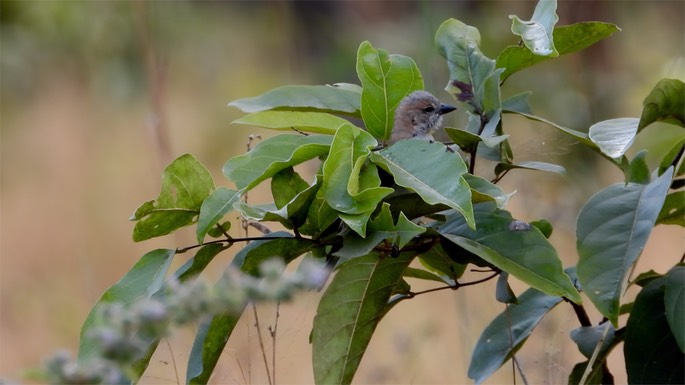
{"x":96,"y":97}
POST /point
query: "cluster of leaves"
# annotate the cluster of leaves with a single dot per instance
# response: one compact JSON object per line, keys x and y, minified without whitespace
{"x":372,"y":210}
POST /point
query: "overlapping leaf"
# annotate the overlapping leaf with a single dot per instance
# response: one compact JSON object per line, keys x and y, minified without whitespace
{"x":386,"y":79}
{"x":614,"y":136}
{"x":430,"y":171}
{"x":665,"y":102}
{"x":674,"y":303}
{"x":536,"y":33}
{"x":522,"y":251}
{"x":213,"y":209}
{"x":567,"y":39}
{"x":273,"y":155}
{"x":611,"y":232}
{"x":350,"y":184}
{"x":185,"y":185}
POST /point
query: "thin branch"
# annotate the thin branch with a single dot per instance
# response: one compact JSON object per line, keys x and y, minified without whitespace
{"x":173,"y":360}
{"x":520,"y":369}
{"x":456,"y":286}
{"x":273,"y":331}
{"x":261,"y":343}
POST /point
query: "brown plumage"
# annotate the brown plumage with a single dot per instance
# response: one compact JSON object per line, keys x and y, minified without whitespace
{"x":418,"y":116}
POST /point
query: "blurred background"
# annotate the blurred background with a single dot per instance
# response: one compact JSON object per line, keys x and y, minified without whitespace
{"x":97,"y":97}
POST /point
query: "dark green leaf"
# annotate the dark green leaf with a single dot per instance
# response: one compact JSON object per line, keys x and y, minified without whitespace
{"x":386,"y":80}
{"x":285,"y":185}
{"x":273,"y":155}
{"x":213,"y":209}
{"x":410,"y":203}
{"x":651,"y":352}
{"x":483,"y":190}
{"x":594,"y":378}
{"x":437,"y":260}
{"x":671,"y":155}
{"x":646,"y":277}
{"x":507,"y":333}
{"x":674,"y":303}
{"x":430,"y":171}
{"x":588,"y":337}
{"x":185,"y":185}
{"x":144,"y":279}
{"x":639,"y":171}
{"x":567,"y":39}
{"x":537,"y":32}
{"x":611,"y":232}
{"x":411,"y":272}
{"x":314,"y":122}
{"x":197,"y":264}
{"x":219,"y":230}
{"x":349,"y":312}
{"x":462,"y":138}
{"x":544,"y":226}
{"x":522,"y":251}
{"x":285,"y":248}
{"x":665,"y":102}
{"x":337,"y":98}
{"x":518,"y":103}
{"x":673,"y":210}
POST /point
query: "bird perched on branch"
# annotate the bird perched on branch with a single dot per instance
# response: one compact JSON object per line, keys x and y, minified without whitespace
{"x":418,"y":116}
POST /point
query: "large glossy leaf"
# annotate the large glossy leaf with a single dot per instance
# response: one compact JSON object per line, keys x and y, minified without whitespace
{"x":185,"y":185}
{"x":665,"y":102}
{"x":314,"y":122}
{"x":515,"y":247}
{"x":536,"y":33}
{"x":507,"y":333}
{"x":674,"y":303}
{"x":350,"y":185}
{"x":567,"y":39}
{"x":349,"y":312}
{"x":144,"y":280}
{"x":614,"y":136}
{"x":611,"y":232}
{"x":343,"y":98}
{"x":213,"y":209}
{"x":430,"y":171}
{"x":651,"y":352}
{"x":273,"y":155}
{"x":469,"y":67}
{"x":386,"y":79}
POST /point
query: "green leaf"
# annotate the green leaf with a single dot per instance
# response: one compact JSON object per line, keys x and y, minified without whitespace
{"x":503,"y":292}
{"x":537,"y":32}
{"x":468,"y":66}
{"x":674,"y":303}
{"x":614,"y":136}
{"x":411,"y":272}
{"x":273,"y":155}
{"x":588,"y":337}
{"x":639,"y":170}
{"x":286,"y":185}
{"x":185,"y":185}
{"x":462,"y":138}
{"x":530,"y":165}
{"x":314,"y":122}
{"x":213,"y":209}
{"x":578,"y":135}
{"x":665,"y":102}
{"x":482,"y":190}
{"x":341,"y":98}
{"x":507,"y":333}
{"x":611,"y":232}
{"x":350,"y":185}
{"x":286,"y":248}
{"x":523,"y":252}
{"x":594,"y":378}
{"x":651,"y":352}
{"x":380,"y":228}
{"x":199,"y":262}
{"x":673,"y":210}
{"x":567,"y":39}
{"x":544,"y":226}
{"x":430,"y":171}
{"x":144,"y":279}
{"x":671,"y":155}
{"x":349,"y":312}
{"x":518,"y":103}
{"x":438,"y":260}
{"x":386,"y":79}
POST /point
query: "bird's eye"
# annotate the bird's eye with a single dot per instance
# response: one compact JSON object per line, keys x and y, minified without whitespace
{"x":429,"y":109}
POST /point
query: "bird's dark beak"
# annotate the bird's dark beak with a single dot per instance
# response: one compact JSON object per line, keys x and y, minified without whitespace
{"x":446,"y":108}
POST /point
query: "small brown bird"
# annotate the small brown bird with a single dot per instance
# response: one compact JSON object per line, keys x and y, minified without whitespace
{"x":418,"y":116}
